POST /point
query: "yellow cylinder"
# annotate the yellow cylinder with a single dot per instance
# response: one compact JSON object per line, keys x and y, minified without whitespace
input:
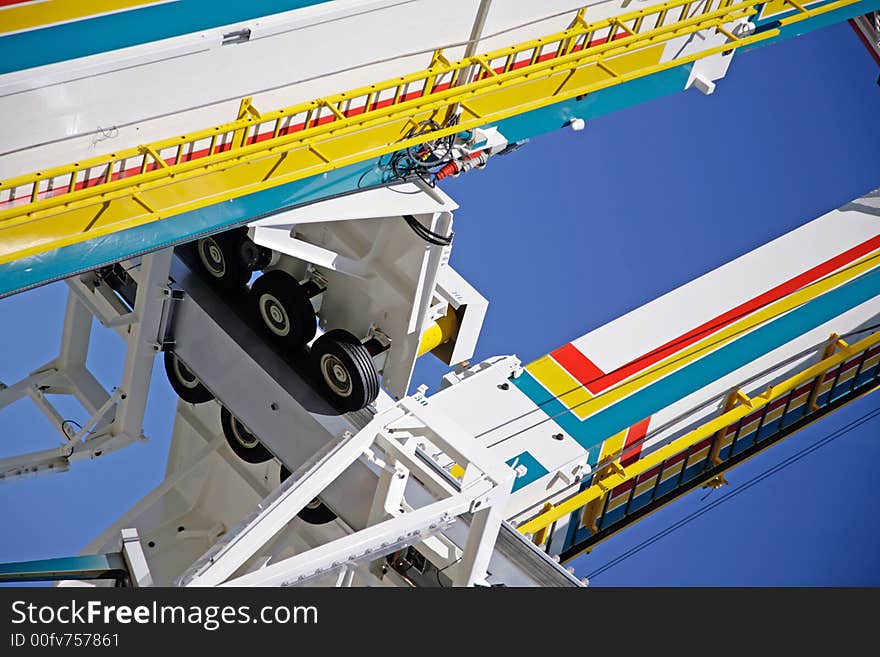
{"x":440,"y":332}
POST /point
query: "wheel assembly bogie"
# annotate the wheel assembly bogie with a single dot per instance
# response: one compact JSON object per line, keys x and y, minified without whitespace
{"x":283,"y":300}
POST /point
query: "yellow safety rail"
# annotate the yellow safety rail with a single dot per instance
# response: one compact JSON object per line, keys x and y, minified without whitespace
{"x":610,"y":474}
{"x":64,"y":205}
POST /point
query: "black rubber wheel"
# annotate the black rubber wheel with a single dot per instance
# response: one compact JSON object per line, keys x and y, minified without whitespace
{"x":185,"y":383}
{"x":220,"y":256}
{"x":284,"y":309}
{"x":245,"y":444}
{"x":315,"y":512}
{"x":345,"y":369}
{"x":253,"y":256}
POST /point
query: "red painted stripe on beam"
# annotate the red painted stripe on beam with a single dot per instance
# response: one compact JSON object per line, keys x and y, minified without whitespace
{"x":635,"y":434}
{"x":95,"y":180}
{"x":578,"y":365}
{"x":599,"y":42}
{"x":591,"y":377}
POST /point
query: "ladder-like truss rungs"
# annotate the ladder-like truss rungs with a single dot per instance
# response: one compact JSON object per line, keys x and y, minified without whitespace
{"x":57,"y":207}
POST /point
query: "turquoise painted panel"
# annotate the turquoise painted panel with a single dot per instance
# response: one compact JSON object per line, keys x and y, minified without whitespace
{"x":529,"y":470}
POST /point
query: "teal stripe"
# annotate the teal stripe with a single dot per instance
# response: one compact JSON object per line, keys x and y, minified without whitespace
{"x":42,"y":268}
{"x":534,"y":470}
{"x":87,"y":565}
{"x":605,"y":101}
{"x":824,"y":20}
{"x":595,"y":429}
{"x":63,"y":262}
{"x":90,"y":36}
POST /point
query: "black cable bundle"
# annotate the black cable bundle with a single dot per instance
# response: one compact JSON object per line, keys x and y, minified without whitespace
{"x":425,"y":159}
{"x":427,"y":234}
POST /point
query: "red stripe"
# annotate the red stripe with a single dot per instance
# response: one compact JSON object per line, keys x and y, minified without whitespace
{"x":599,"y":42}
{"x":623,"y":488}
{"x":578,"y":365}
{"x":650,"y":474}
{"x":99,"y":178}
{"x":589,"y":374}
{"x":636,"y":434}
{"x":6,"y":3}
{"x":666,"y":465}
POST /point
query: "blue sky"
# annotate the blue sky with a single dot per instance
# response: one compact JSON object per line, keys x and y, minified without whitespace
{"x":563,"y":236}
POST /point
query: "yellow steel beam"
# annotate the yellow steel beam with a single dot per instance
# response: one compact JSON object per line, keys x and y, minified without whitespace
{"x":81,"y":207}
{"x":585,"y":406}
{"x":542,"y":534}
{"x":814,"y":390}
{"x":729,"y":403}
{"x":730,"y":466}
{"x":621,"y":475}
{"x":803,"y":13}
{"x":146,"y":149}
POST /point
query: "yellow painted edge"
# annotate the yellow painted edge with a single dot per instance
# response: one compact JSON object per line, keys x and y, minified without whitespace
{"x":106,"y":195}
{"x":692,"y":437}
{"x":51,"y":12}
{"x":726,"y":335}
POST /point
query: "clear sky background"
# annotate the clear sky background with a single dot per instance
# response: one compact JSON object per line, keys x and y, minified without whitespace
{"x":564,"y":236}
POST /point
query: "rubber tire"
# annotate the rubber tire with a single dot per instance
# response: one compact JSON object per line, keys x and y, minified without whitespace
{"x":295,"y":303}
{"x":228,"y":252}
{"x":255,"y":454}
{"x":253,"y":257}
{"x":348,"y":352}
{"x":189,"y":390}
{"x":317,"y":515}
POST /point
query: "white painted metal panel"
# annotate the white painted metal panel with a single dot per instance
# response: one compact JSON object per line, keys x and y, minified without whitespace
{"x":85,"y":107}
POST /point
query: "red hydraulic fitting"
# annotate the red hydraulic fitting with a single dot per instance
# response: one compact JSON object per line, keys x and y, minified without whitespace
{"x":467,"y":163}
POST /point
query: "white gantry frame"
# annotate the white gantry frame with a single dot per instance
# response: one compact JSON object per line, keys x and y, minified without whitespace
{"x":391,"y":442}
{"x":115,"y":418}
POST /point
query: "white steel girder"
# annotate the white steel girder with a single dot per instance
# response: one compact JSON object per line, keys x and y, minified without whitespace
{"x":483,"y":493}
{"x":114,"y":419}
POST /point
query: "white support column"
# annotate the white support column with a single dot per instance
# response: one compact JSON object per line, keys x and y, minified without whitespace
{"x":133,"y":553}
{"x":76,"y":334}
{"x":71,"y":361}
{"x":143,"y":344}
{"x":485,"y":525}
{"x":345,"y":578}
{"x":389,"y":493}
